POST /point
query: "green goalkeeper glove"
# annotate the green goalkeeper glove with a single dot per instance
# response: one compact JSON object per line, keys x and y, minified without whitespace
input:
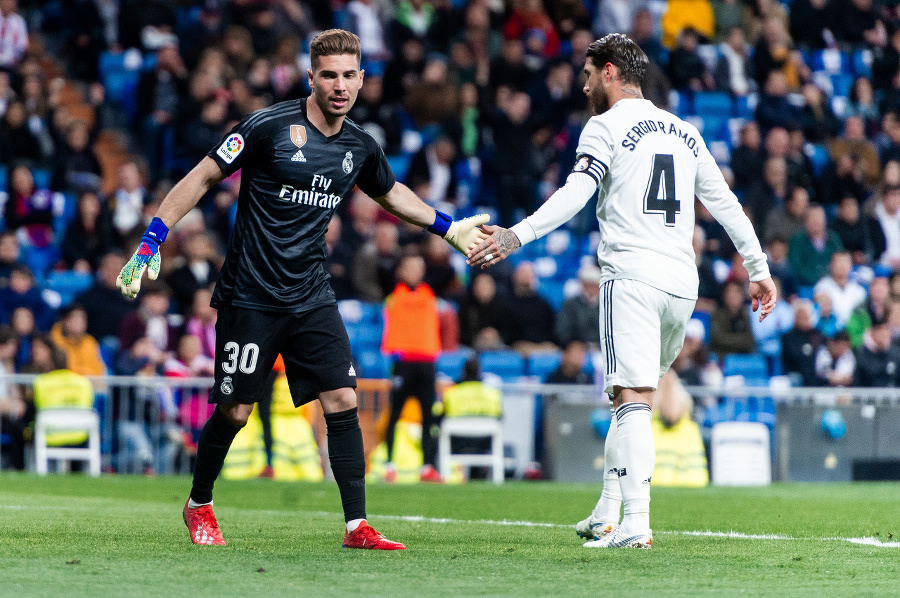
{"x":145,"y":258}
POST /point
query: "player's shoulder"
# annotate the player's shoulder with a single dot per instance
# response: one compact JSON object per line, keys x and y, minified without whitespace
{"x":360,"y":133}
{"x":273,"y":114}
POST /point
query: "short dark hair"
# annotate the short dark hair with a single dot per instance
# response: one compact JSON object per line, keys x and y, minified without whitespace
{"x":331,"y":43}
{"x":621,"y":52}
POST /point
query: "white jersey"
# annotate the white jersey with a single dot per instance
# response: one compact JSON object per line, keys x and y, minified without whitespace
{"x":649,"y":165}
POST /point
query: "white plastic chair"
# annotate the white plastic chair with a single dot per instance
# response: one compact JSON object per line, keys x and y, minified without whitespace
{"x":66,"y":420}
{"x":472,"y":427}
{"x":741,"y":454}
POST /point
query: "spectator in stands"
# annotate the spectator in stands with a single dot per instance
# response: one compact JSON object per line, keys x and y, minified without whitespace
{"x":75,"y":166}
{"x":861,"y":24}
{"x":734,"y":69}
{"x":528,"y":16}
{"x":813,"y":23}
{"x":680,"y":454}
{"x":339,"y":260}
{"x":827,"y":321}
{"x":13,"y":416}
{"x":777,"y":253}
{"x":835,"y":362}
{"x":878,"y":365}
{"x":530,"y":315}
{"x":375,"y":262}
{"x":889,"y":140}
{"x":552,"y":99}
{"x":515,"y":165}
{"x":81,"y":349}
{"x":9,"y":256}
{"x":644,"y":35}
{"x":864,"y":106}
{"x":855,"y":144}
{"x":731,"y":331}
{"x":571,"y":366}
{"x":748,"y":157}
{"x":884,"y":228}
{"x":774,"y":108}
{"x":365,"y":19}
{"x":693,"y":364}
{"x":432,"y":100}
{"x":768,"y":333}
{"x":127,"y":201}
{"x":773,"y":54}
{"x":686,"y":70}
{"x":362,"y":216}
{"x":103,"y":301}
{"x":199,"y":271}
{"x":842,"y":178}
{"x":483,"y":316}
{"x":818,"y":122}
{"x":708,"y":291}
{"x":205,"y":130}
{"x":696,"y":14}
{"x":579,"y":316}
{"x":159,"y":94}
{"x":13,"y":35}
{"x":800,"y":345}
{"x":432,"y":173}
{"x":378,"y":116}
{"x":23,"y":292}
{"x":89,"y":236}
{"x":412,"y":335}
{"x":811,"y":250}
{"x":772,"y":191}
{"x":149,"y":319}
{"x":787,"y":221}
{"x":22,"y":322}
{"x":852,"y":231}
{"x":873,"y":309}
{"x":440,"y":274}
{"x":190,"y":362}
{"x":17,"y":142}
{"x":202,"y":322}
{"x":29,"y":210}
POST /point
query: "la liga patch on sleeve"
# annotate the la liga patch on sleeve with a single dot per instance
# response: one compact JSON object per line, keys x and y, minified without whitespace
{"x":231,"y":148}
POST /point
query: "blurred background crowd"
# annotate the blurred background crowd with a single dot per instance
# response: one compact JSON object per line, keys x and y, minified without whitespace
{"x":104,"y":104}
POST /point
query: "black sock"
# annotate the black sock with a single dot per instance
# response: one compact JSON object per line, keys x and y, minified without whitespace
{"x":215,"y":439}
{"x":348,"y":461}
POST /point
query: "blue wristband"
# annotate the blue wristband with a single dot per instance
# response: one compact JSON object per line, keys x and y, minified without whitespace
{"x":441,"y":224}
{"x":157,"y":231}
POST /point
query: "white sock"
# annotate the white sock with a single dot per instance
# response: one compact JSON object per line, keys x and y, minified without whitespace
{"x":637,"y":458}
{"x":610,"y":504}
{"x":194,"y":505}
{"x":353,"y":524}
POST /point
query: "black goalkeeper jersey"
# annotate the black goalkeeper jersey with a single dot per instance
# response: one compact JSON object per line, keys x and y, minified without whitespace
{"x":292,"y":179}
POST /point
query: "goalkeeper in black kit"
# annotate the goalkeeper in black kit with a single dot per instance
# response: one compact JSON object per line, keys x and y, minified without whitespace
{"x":299,"y":159}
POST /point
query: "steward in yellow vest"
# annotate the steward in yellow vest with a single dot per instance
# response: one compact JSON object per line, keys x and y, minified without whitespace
{"x":62,"y":388}
{"x":680,"y":455}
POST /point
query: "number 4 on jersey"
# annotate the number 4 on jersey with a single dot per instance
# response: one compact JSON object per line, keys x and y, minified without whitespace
{"x":660,"y":198}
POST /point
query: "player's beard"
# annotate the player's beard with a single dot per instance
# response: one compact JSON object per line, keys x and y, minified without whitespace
{"x":323,"y":100}
{"x":598,"y":99}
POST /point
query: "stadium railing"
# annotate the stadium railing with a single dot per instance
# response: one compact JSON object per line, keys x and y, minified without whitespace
{"x":156,"y":421}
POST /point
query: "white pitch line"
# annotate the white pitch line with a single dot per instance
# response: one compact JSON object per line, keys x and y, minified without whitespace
{"x":869,"y":541}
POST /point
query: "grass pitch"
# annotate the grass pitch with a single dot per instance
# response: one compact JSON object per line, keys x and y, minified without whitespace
{"x":123,"y":536}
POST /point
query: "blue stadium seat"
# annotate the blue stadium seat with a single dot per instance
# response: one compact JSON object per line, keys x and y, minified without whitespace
{"x":706,"y":319}
{"x":829,"y":60}
{"x":400,"y":165}
{"x":862,"y":63}
{"x":40,"y":259}
{"x":450,"y":363}
{"x":509,"y":365}
{"x":819,"y":156}
{"x":543,"y":364}
{"x":552,"y":291}
{"x":3,"y":179}
{"x":364,"y":336}
{"x":373,"y":364}
{"x":751,"y":367}
{"x":713,"y":103}
{"x":68,"y":284}
{"x":41,"y":177}
{"x":746,"y":105}
{"x":842,"y":83}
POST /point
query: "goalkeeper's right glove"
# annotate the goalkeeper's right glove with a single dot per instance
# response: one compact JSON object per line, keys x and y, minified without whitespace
{"x":145,"y":258}
{"x":462,"y":235}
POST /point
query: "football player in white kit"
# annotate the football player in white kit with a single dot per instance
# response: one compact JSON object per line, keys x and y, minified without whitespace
{"x":648,"y":165}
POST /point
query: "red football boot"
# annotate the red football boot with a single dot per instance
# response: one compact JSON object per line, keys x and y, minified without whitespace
{"x":365,"y":536}
{"x":202,"y":525}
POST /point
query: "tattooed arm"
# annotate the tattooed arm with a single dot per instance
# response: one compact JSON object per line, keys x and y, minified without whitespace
{"x":500,"y":244}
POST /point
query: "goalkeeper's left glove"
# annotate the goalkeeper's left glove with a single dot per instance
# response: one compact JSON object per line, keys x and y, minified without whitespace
{"x":462,"y":235}
{"x":145,"y":258}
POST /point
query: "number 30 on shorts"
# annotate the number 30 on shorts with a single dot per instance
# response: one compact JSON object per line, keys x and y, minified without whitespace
{"x":248,"y":357}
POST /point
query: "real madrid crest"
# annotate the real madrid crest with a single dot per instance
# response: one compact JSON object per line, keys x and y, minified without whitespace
{"x":226,"y":387}
{"x":347,"y":164}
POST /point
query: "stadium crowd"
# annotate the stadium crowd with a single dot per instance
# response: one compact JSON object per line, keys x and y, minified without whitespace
{"x":478,"y":104}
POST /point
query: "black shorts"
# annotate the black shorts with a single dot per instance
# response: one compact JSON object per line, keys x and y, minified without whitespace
{"x":314,"y":345}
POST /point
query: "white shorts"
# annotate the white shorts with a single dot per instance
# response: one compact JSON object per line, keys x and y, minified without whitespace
{"x":641,"y":332}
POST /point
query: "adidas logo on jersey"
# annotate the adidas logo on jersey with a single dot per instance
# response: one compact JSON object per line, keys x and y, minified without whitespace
{"x":298,"y":157}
